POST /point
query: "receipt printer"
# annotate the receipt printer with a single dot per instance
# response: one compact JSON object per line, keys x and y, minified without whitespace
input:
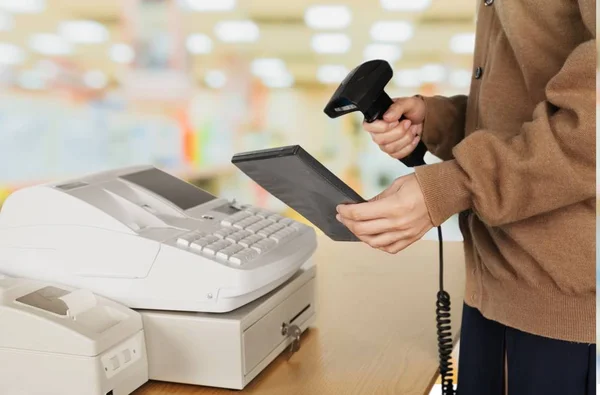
{"x":56,"y":340}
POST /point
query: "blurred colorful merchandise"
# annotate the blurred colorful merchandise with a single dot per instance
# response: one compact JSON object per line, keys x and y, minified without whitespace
{"x":65,"y":139}
{"x":4,"y":192}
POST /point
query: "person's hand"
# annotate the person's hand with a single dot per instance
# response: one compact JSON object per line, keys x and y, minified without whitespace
{"x":399,"y":139}
{"x":391,"y":221}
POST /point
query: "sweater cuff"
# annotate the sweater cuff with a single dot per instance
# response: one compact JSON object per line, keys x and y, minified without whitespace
{"x":444,"y":186}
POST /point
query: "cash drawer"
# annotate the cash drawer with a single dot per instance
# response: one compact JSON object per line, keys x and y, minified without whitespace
{"x":265,"y":335}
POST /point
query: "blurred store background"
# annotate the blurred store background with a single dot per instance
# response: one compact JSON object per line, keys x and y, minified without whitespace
{"x":90,"y":85}
{"x":184,"y":84}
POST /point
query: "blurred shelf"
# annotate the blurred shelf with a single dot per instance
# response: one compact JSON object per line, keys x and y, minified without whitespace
{"x":207,"y":173}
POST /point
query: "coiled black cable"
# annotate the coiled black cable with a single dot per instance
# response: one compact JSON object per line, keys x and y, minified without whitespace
{"x":444,"y":329}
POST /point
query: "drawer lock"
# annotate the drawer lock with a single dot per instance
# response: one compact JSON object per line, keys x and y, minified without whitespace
{"x":294,"y":332}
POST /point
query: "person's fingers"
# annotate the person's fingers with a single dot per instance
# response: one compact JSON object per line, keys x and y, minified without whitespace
{"x":415,"y":130}
{"x":379,"y":126}
{"x":397,"y":246}
{"x":368,"y":228}
{"x":412,"y":108}
{"x":406,"y":150}
{"x":380,"y":208}
{"x":390,"y":136}
{"x":403,"y":241}
{"x":385,"y":240}
{"x":397,"y":109}
{"x":398,"y":145}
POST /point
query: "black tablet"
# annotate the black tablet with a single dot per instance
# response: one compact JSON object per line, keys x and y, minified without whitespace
{"x":296,"y":178}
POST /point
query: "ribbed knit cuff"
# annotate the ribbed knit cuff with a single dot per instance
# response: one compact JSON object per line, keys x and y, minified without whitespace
{"x":444,"y":187}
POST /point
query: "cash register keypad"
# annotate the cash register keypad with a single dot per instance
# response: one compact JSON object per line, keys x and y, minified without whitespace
{"x":242,"y":236}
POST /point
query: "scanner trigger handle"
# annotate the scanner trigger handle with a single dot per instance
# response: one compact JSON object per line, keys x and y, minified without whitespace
{"x":377,"y":110}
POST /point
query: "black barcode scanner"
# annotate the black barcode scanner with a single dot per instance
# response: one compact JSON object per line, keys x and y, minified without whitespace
{"x":363,"y":90}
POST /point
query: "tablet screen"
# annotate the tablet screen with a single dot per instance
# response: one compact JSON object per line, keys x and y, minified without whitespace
{"x":300,"y":181}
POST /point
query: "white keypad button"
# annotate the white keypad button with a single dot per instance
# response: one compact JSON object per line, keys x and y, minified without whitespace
{"x":244,"y":256}
{"x":269,"y":230}
{"x":248,"y":241}
{"x":263,"y":245}
{"x":246,"y":222}
{"x":185,"y":239}
{"x":298,"y":227}
{"x":183,"y":242}
{"x":235,"y":218}
{"x":251,"y":210}
{"x":239,"y":235}
{"x":282,"y":235}
{"x":229,"y":251}
{"x":287,"y":221}
{"x":224,"y":232}
{"x":199,"y":244}
{"x":215,"y":247}
{"x":275,"y":218}
{"x":259,"y":225}
{"x":264,"y":213}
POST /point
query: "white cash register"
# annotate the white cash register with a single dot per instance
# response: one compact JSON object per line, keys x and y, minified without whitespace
{"x":178,"y":255}
{"x":150,"y":241}
{"x":58,"y":340}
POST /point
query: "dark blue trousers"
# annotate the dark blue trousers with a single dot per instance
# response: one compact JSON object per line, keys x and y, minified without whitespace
{"x":536,"y":365}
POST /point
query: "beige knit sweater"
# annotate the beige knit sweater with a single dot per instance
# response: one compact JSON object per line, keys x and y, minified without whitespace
{"x":519,"y":166}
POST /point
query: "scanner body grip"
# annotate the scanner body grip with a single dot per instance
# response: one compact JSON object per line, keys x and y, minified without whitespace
{"x":376,"y":111}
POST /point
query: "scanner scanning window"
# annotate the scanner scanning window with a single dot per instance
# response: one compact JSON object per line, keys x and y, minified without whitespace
{"x":178,"y":192}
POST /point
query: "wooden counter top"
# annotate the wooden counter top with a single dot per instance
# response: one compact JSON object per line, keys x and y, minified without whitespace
{"x":375,"y":331}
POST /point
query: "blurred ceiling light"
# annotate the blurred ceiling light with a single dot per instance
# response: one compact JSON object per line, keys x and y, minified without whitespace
{"x":408,"y":78}
{"x":282,"y":80}
{"x":265,"y":67}
{"x":95,"y":79}
{"x":460,"y":78}
{"x":433,"y":73}
{"x":388,"y":52}
{"x":334,"y":43}
{"x":23,"y":6}
{"x":215,"y":79}
{"x":50,"y":44}
{"x":328,"y":17}
{"x":463,"y":43}
{"x":211,"y":5}
{"x":31,"y":80}
{"x":199,"y":44}
{"x":83,"y":32}
{"x":7,"y":22}
{"x":331,"y":74}
{"x":237,"y":31}
{"x":11,"y":54}
{"x":405,"y":5}
{"x":392,"y":31}
{"x":121,"y":53}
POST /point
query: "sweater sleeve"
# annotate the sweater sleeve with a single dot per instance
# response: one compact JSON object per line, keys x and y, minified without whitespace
{"x":444,"y":125}
{"x":548,"y":165}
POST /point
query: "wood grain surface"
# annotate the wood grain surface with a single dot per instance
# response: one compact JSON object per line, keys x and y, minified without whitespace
{"x":375,"y":331}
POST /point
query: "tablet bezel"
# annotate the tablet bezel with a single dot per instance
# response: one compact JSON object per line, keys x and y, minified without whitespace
{"x":305,"y":157}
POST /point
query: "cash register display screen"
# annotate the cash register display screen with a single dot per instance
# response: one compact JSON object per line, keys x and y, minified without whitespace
{"x":178,"y":192}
